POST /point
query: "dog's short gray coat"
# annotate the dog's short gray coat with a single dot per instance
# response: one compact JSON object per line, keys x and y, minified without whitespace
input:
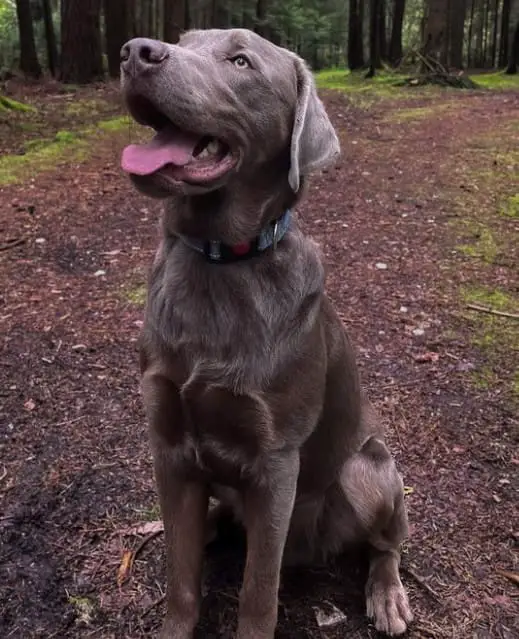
{"x":248,"y":377}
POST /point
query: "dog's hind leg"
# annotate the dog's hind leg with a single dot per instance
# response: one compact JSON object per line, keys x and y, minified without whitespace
{"x":374,"y":490}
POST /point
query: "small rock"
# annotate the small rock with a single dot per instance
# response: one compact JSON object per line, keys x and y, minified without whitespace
{"x":381,"y":266}
{"x":40,"y":240}
{"x":403,"y":309}
{"x":418,"y":332}
{"x":79,"y":347}
{"x":329,"y":619}
{"x":99,"y":273}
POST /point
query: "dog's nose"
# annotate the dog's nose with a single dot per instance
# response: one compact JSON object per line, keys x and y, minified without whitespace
{"x":142,"y":54}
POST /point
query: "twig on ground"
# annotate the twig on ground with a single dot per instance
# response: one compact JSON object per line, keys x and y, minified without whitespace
{"x":421,"y":582}
{"x":492,"y":311}
{"x":12,"y":243}
{"x":153,"y":605}
{"x":511,"y":576}
{"x":146,"y":540}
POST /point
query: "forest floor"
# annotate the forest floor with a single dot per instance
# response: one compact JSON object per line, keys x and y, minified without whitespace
{"x":419,"y":224}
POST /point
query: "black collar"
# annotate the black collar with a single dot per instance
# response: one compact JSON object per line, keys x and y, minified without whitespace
{"x":219,"y":253}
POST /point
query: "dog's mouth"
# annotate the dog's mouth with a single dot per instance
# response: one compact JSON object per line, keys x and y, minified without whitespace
{"x":180,"y":155}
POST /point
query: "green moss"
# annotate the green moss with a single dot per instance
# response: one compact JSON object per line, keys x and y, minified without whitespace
{"x":150,"y":514}
{"x":66,"y":136}
{"x":135,"y":295}
{"x":511,"y":208}
{"x":382,"y":85}
{"x":419,"y":113}
{"x":84,"y":608}
{"x":484,"y":378}
{"x":115,"y":124}
{"x":85,"y":108}
{"x":496,"y":81}
{"x":485,"y":246}
{"x":42,"y":155}
{"x":493,"y":298}
{"x":7,"y":104}
{"x":515,"y":383}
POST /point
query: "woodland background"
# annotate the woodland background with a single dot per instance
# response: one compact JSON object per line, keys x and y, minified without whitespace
{"x":78,"y":41}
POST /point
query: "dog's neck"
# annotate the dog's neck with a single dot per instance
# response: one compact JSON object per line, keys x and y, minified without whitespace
{"x":235,"y":214}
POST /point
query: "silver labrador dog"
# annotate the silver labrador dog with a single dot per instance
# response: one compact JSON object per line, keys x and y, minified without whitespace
{"x":248,"y":378}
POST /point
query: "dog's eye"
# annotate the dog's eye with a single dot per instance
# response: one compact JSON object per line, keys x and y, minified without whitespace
{"x":241,"y":62}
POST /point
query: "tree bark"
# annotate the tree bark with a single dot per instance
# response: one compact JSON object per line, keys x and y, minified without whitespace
{"x":478,"y":59}
{"x":261,"y":27}
{"x":174,"y":19}
{"x":355,"y":38}
{"x":117,"y":29}
{"x":513,"y":60}
{"x":81,"y":60}
{"x":187,"y":15}
{"x":382,"y":38}
{"x":456,"y":31}
{"x":50,"y":38}
{"x":435,"y":30}
{"x":503,"y":38}
{"x":374,"y":38}
{"x":395,"y":46}
{"x":28,"y":58}
{"x":495,"y":27}
{"x":471,"y":30}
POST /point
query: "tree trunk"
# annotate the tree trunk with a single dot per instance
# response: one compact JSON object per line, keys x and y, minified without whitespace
{"x":471,"y":30}
{"x":484,"y":48}
{"x":28,"y":58}
{"x":355,"y":39}
{"x":261,"y":26}
{"x":503,"y":38}
{"x":395,"y":46}
{"x":512,"y":34}
{"x":187,"y":16}
{"x":479,"y":35}
{"x":81,"y":60}
{"x":374,"y":39}
{"x":382,"y":38}
{"x":174,"y":19}
{"x":513,"y":60}
{"x":50,"y":37}
{"x":495,"y":23}
{"x":435,"y":30}
{"x":117,"y":30}
{"x":456,"y":31}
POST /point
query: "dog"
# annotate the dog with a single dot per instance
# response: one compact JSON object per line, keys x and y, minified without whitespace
{"x":249,"y":381}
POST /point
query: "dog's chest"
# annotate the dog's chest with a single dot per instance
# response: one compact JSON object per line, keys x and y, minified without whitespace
{"x":224,"y":436}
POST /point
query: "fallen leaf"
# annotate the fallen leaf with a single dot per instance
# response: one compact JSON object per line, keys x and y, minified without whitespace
{"x":125,"y":567}
{"x":326,"y":620}
{"x":147,"y":528}
{"x":428,"y":356}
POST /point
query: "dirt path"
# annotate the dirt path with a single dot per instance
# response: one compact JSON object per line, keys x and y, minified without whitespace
{"x":415,"y":223}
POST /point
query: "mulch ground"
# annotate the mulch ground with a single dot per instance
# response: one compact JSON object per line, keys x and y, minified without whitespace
{"x":75,"y":466}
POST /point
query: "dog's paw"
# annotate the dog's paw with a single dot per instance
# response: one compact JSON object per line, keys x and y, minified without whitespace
{"x":388,"y":606}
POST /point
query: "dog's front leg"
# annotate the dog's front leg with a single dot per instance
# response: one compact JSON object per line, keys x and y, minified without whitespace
{"x":183,"y":504}
{"x":184,"y":511}
{"x":268,"y":508}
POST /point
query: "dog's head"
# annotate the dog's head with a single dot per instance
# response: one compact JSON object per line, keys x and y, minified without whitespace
{"x":226,"y":105}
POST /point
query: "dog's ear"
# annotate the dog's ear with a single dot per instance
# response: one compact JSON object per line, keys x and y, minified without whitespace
{"x":314,"y":142}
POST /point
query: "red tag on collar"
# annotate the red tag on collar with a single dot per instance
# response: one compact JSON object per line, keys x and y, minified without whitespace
{"x":241,"y":249}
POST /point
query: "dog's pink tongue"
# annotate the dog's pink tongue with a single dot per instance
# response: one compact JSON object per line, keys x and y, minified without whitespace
{"x":169,"y":146}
